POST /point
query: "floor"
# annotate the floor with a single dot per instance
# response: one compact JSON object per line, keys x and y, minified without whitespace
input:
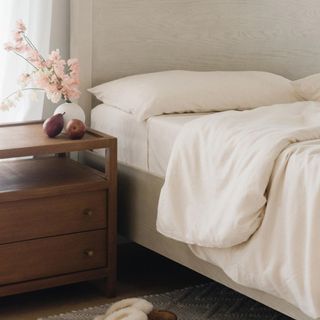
{"x":140,"y":272}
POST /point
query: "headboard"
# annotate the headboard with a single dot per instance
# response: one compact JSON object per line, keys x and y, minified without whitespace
{"x":116,"y":38}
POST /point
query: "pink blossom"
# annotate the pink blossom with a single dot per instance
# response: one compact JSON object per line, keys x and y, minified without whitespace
{"x":17,"y":37}
{"x":57,"y":63}
{"x":41,"y":79}
{"x":73,"y":62}
{"x":59,"y":67}
{"x":74,"y":70}
{"x":58,"y":78}
{"x":54,"y":55}
{"x":54,"y":96}
{"x":21,"y":47}
{"x":73,"y":94}
{"x":49,"y":63}
{"x":24,"y":79}
{"x":70,"y":88}
{"x":35,"y":58}
{"x":20,"y":26}
{"x":9,"y":46}
{"x":4,"y":106}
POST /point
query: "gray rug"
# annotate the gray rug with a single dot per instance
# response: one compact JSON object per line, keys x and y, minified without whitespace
{"x":210,"y":301}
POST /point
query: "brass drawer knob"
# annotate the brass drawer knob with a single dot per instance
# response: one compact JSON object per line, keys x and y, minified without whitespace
{"x":89,"y":253}
{"x":88,"y":212}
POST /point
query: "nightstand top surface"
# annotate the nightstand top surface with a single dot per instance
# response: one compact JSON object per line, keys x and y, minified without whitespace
{"x":28,"y":139}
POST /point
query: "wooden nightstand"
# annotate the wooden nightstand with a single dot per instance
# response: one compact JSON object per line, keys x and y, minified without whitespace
{"x":57,"y":216}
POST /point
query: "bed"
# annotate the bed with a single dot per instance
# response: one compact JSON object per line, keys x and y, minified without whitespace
{"x":262,"y":38}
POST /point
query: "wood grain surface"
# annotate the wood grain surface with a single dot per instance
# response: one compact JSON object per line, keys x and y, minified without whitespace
{"x":37,"y":218}
{"x":52,"y":256}
{"x":37,"y":178}
{"x":25,"y":139}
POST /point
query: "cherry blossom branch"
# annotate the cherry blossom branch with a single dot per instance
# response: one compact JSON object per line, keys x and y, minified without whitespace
{"x":57,"y":77}
{"x":21,"y":56}
{"x":32,"y":45}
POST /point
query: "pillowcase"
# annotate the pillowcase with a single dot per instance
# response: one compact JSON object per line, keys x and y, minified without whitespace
{"x":179,"y":91}
{"x":308,"y":88}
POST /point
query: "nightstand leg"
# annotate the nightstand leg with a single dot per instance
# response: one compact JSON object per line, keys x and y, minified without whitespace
{"x":110,"y":286}
{"x":111,"y":175}
{"x":106,"y":286}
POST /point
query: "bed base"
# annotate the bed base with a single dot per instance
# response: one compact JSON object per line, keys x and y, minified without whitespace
{"x":137,"y":209}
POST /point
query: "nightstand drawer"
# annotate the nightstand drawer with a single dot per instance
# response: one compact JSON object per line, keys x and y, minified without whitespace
{"x":35,"y":218}
{"x":21,"y":261}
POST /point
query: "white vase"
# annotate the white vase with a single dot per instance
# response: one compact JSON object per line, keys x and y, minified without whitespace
{"x":71,"y":110}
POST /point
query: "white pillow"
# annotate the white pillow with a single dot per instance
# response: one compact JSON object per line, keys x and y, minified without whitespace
{"x":179,"y":91}
{"x":308,"y":88}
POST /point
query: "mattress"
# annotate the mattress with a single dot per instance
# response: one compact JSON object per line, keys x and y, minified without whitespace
{"x":142,"y":145}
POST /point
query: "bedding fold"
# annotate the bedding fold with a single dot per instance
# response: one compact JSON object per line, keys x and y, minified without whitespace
{"x":243,"y":190}
{"x":214,"y":193}
{"x":282,"y":257}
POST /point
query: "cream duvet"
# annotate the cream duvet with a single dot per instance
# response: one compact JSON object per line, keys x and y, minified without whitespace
{"x":243,"y":190}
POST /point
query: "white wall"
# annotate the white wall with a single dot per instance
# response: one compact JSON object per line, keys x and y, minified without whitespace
{"x":60,"y":39}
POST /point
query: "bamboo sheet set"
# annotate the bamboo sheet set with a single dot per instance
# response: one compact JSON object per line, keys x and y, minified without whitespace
{"x":242,"y":188}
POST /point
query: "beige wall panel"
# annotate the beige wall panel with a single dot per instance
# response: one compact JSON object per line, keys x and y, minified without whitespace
{"x":81,"y":47}
{"x":116,"y":38}
{"x":134,"y":36}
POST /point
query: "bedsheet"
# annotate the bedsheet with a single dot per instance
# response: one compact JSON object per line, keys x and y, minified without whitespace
{"x":242,"y":189}
{"x":142,"y":145}
{"x":131,"y":134}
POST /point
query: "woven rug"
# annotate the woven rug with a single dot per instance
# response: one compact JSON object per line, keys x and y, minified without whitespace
{"x":210,"y":301}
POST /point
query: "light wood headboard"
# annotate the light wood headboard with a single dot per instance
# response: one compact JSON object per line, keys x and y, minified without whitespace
{"x":116,"y":38}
